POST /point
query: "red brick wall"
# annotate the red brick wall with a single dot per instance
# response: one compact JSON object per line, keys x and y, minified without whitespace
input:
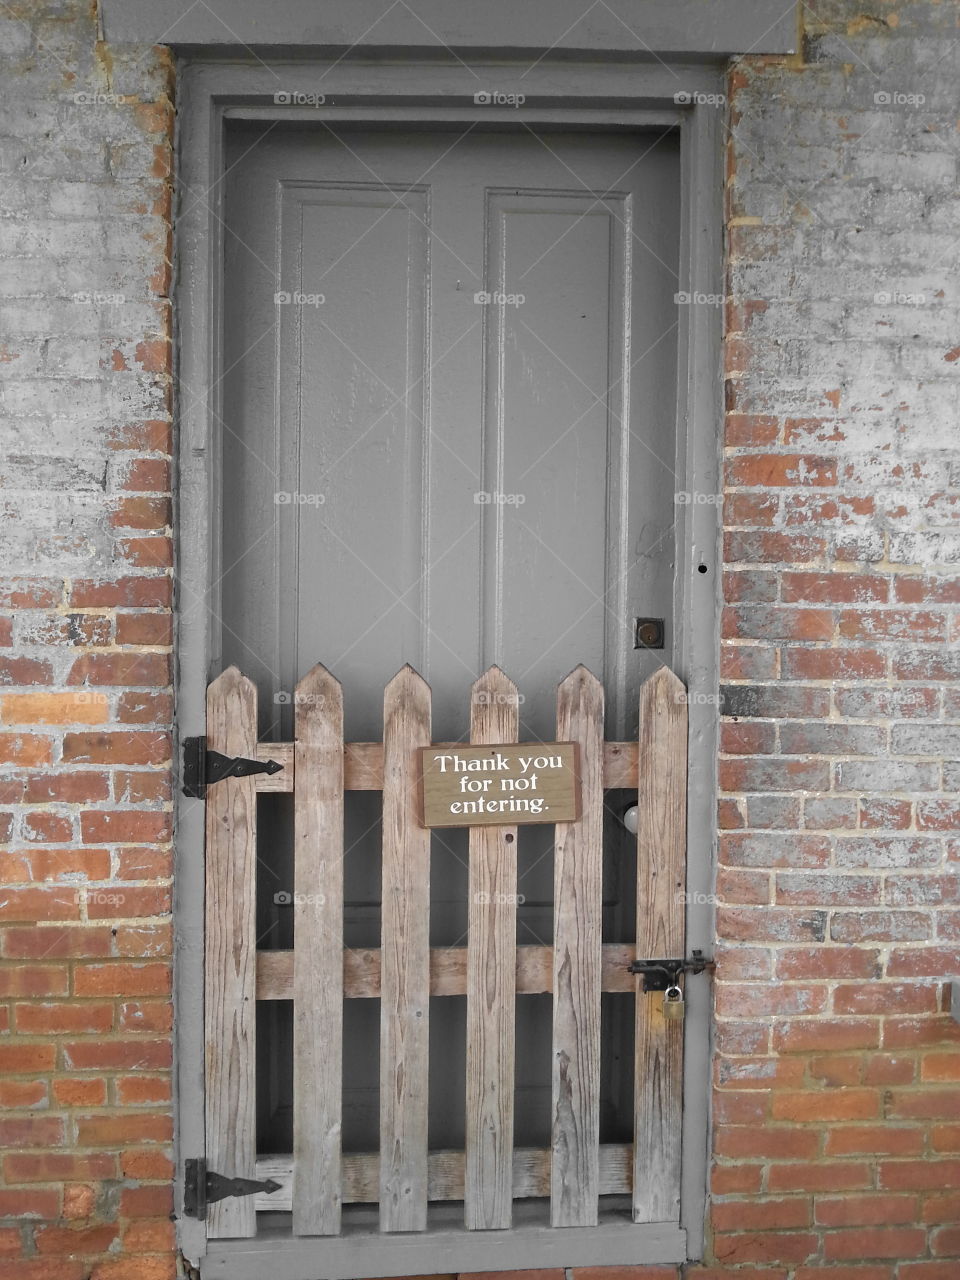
{"x":836,"y":1108}
{"x":836,"y":1123}
{"x":85,"y":630}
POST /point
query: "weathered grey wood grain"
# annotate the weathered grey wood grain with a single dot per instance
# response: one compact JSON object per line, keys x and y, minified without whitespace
{"x":363,"y":765}
{"x":405,"y":960}
{"x":448,"y":971}
{"x":661,"y":872}
{"x":318,"y":957}
{"x":491,"y":982}
{"x":531,"y":1175}
{"x":578,"y":928}
{"x":230,"y":971}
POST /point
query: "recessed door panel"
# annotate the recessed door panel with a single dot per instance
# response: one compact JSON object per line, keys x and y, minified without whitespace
{"x":449,"y":439}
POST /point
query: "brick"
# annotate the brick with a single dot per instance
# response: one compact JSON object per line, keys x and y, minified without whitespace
{"x":83,"y":786}
{"x":747,"y":739}
{"x":825,"y":813}
{"x":777,"y":701}
{"x":144,"y":628}
{"x":142,"y":1268}
{"x":56,"y":942}
{"x":38,"y":904}
{"x":144,"y":707}
{"x":63,"y":1018}
{"x":770,"y":850}
{"x":122,"y":1130}
{"x":26,"y":1204}
{"x":54,"y":708}
{"x":864,"y":702}
{"x":811,"y":1107}
{"x":774,"y":774}
{"x":33,"y":980}
{"x":23,"y":1094}
{"x":31,"y":1131}
{"x":790,"y":1247}
{"x":875,"y":1242}
{"x":136,"y":787}
{"x":923,"y":1104}
{"x":774,"y":622}
{"x":885,"y":814}
{"x":747,"y":662}
{"x":29,"y":749}
{"x":941,"y":1208}
{"x":918,"y":1175}
{"x":874,"y":1139}
{"x":945,"y":1138}
{"x":119,"y":979}
{"x":832,"y":664}
{"x":144,"y":668}
{"x":892,"y":624}
{"x":828,"y":962}
{"x":819,"y":889}
{"x":777,"y":548}
{"x":79,"y":1092}
{"x":728,"y":1180}
{"x":827,"y":1034}
{"x":138,"y":1054}
{"x":145,"y":592}
{"x":922,"y":890}
{"x":760,"y":1215}
{"x":940,"y":1066}
{"x":772,"y":1142}
{"x":152,"y":1162}
{"x":47,"y":827}
{"x":833,"y":588}
{"x":865,"y":1210}
{"x":814,"y":1177}
{"x":742,"y":887}
{"x":779,"y":470}
{"x":125,"y":826}
{"x":770,"y":924}
{"x":70,"y":1240}
{"x":773,"y":812}
{"x":749,"y":586}
{"x":885,"y":998}
{"x":875,"y":852}
{"x":116,"y":748}
{"x":946,"y":1242}
{"x":117,"y":903}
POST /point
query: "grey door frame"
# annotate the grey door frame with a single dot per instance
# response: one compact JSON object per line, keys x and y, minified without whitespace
{"x":606,"y":95}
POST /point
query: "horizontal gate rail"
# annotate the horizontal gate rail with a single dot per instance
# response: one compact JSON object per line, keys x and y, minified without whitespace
{"x":363,"y":765}
{"x":318,"y":973}
{"x":448,"y":971}
{"x":445,"y":1175}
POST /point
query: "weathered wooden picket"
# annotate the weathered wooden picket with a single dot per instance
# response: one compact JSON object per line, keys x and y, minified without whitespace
{"x":405,"y":973}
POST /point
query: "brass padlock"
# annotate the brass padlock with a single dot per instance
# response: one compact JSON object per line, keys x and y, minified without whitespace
{"x":673,"y":1004}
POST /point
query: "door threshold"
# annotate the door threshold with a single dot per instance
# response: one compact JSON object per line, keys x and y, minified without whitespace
{"x":445,"y":1247}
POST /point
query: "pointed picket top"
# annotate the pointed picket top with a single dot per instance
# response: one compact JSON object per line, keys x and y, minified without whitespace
{"x":494,"y":708}
{"x":318,"y":683}
{"x":407,"y":679}
{"x":582,"y":681}
{"x":232,"y":714}
{"x":662,"y":690}
{"x":230,"y":687}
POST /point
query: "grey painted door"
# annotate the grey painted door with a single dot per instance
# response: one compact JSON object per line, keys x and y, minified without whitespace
{"x":449,"y":440}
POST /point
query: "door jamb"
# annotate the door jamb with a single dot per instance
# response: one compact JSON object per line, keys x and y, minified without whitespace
{"x":621,"y":95}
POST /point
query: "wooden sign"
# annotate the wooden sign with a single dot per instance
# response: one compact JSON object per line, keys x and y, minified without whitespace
{"x":507,"y":784}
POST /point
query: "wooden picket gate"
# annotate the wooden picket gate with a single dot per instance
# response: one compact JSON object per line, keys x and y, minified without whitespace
{"x":405,"y":973}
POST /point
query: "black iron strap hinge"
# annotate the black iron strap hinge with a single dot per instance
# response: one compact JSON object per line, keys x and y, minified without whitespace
{"x":202,"y":1187}
{"x":202,"y":767}
{"x":659,"y":975}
